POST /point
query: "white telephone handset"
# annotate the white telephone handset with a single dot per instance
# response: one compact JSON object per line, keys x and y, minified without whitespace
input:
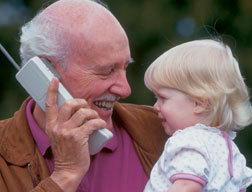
{"x":35,"y":77}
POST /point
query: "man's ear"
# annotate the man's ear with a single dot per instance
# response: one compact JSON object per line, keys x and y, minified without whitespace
{"x":200,"y":105}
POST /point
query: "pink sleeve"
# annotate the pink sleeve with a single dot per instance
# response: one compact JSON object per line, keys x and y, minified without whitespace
{"x":188,"y":176}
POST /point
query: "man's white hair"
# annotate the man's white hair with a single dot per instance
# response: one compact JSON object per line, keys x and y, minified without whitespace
{"x":44,"y":36}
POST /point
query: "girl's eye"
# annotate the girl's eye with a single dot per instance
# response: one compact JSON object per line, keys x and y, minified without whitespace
{"x":157,"y":97}
{"x":160,"y":98}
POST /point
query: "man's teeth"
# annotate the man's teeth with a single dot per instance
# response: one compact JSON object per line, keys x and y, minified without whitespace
{"x":104,"y":104}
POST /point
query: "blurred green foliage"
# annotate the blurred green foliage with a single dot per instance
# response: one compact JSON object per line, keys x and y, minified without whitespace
{"x":152,"y":28}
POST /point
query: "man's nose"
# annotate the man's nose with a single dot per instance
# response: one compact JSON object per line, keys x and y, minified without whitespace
{"x":121,"y":86}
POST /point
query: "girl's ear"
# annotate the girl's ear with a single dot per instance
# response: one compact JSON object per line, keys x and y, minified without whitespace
{"x":200,"y":105}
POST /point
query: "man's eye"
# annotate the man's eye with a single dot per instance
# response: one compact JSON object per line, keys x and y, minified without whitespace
{"x":106,"y":72}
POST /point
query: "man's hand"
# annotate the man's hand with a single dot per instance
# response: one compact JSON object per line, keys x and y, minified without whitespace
{"x":68,"y":129}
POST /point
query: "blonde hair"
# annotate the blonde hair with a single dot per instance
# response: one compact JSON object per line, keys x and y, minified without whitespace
{"x":205,"y":69}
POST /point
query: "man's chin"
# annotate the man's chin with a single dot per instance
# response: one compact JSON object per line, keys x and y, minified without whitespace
{"x":105,"y":114}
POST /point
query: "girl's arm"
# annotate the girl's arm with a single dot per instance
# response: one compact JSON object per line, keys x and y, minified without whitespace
{"x":183,"y":185}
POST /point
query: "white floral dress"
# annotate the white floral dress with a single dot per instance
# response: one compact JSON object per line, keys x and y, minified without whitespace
{"x":205,"y":155}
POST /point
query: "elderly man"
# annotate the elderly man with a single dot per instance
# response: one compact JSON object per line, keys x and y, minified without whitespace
{"x":48,"y":151}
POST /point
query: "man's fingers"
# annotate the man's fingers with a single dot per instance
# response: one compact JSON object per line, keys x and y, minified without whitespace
{"x":69,"y":108}
{"x":81,"y":116}
{"x":51,"y":100}
{"x":92,"y":125}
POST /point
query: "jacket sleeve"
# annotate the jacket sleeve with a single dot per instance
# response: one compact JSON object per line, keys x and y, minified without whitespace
{"x":145,"y":129}
{"x":47,"y":185}
{"x":10,"y":180}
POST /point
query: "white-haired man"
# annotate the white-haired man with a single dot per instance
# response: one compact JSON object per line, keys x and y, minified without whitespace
{"x":48,"y":151}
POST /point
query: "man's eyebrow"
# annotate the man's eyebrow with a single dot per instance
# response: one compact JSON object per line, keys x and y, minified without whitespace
{"x":131,"y":60}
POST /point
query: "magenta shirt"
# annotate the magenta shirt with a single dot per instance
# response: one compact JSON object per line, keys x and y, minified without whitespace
{"x":116,"y":168}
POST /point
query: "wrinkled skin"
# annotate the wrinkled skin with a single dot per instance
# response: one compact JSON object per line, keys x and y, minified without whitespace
{"x":95,"y":76}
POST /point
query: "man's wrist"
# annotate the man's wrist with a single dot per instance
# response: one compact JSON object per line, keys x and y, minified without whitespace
{"x":67,"y":181}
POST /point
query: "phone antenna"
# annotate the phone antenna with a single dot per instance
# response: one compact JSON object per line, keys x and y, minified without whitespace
{"x":13,"y":62}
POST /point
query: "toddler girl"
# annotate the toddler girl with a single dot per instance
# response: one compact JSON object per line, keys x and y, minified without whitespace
{"x":202,"y":101}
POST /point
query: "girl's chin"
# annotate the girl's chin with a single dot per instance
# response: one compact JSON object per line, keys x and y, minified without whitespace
{"x":168,"y":132}
{"x":164,"y":124}
{"x":167,"y":129}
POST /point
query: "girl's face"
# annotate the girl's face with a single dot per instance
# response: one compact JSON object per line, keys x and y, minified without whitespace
{"x":176,"y":109}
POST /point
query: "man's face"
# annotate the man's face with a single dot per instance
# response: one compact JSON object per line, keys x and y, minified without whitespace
{"x":99,"y":77}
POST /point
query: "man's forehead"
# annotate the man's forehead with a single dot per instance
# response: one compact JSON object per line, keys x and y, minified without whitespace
{"x":100,"y":66}
{"x":111,"y":64}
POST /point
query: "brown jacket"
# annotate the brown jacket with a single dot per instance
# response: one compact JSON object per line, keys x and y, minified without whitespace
{"x":23,"y":168}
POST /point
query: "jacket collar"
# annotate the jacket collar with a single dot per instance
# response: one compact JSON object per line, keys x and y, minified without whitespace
{"x":16,"y":144}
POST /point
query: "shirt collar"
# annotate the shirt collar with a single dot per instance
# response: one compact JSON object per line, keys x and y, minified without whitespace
{"x":39,"y":136}
{"x":112,"y":144}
